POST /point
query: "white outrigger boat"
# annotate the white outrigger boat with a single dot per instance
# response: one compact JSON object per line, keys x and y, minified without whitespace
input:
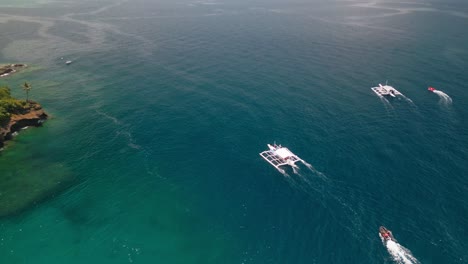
{"x":386,"y":90}
{"x":278,"y":155}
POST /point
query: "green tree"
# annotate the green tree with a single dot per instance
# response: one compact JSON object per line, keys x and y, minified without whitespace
{"x":4,"y":93}
{"x":4,"y":116}
{"x":27,"y":87}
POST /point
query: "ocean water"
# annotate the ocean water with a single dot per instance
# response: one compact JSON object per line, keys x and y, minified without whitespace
{"x":160,"y":118}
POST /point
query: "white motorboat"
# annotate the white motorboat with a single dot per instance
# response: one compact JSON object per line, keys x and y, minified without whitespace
{"x":68,"y":62}
{"x":278,"y":155}
{"x":386,"y":90}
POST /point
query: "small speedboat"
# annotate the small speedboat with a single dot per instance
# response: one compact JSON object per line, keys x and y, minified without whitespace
{"x":432,"y":89}
{"x":68,"y":62}
{"x":386,"y":234}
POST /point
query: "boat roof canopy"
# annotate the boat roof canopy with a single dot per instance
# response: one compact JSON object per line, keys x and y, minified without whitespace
{"x":284,"y":153}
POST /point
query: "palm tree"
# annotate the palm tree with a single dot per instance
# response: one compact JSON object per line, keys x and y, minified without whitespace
{"x":27,"y":87}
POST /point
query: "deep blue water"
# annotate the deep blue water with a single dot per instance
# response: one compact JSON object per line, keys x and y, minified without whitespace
{"x":166,"y":105}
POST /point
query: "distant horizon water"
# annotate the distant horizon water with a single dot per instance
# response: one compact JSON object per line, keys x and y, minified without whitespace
{"x":159,"y":121}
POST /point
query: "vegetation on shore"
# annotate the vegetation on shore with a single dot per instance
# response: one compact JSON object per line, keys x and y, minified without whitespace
{"x":16,"y":114}
{"x":10,"y":106}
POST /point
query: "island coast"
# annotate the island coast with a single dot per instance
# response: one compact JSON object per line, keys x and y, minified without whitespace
{"x":34,"y":115}
{"x":17,"y":114}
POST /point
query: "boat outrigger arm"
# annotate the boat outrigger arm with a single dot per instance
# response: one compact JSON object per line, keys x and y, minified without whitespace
{"x":278,"y":156}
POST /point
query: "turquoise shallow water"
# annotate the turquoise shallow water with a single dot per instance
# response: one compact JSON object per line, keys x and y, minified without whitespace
{"x":166,"y":106}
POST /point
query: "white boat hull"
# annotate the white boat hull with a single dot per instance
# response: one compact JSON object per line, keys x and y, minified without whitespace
{"x":279,"y":156}
{"x":385,"y":90}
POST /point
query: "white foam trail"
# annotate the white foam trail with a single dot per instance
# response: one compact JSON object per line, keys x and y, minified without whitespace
{"x":131,"y":141}
{"x":387,"y":104}
{"x":400,"y":254}
{"x":283,"y":172}
{"x":444,"y":98}
{"x":408,"y":100}
{"x":292,"y":182}
{"x":302,"y":182}
{"x":308,"y":165}
{"x":314,"y":170}
{"x":114,"y":119}
{"x":327,"y":192}
{"x":295,"y":170}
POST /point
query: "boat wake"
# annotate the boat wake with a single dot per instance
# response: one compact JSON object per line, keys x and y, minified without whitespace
{"x":330,"y":194}
{"x":389,"y":107}
{"x":408,"y":100}
{"x":114,"y":119}
{"x":317,"y":186}
{"x":296,"y":170}
{"x":130,"y":139}
{"x":314,"y":170}
{"x":308,"y":181}
{"x":387,"y":104}
{"x":400,"y":254}
{"x":444,"y":98}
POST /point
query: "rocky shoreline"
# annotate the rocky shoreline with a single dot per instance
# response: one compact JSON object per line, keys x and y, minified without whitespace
{"x":34,"y":116}
{"x":8,"y":69}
